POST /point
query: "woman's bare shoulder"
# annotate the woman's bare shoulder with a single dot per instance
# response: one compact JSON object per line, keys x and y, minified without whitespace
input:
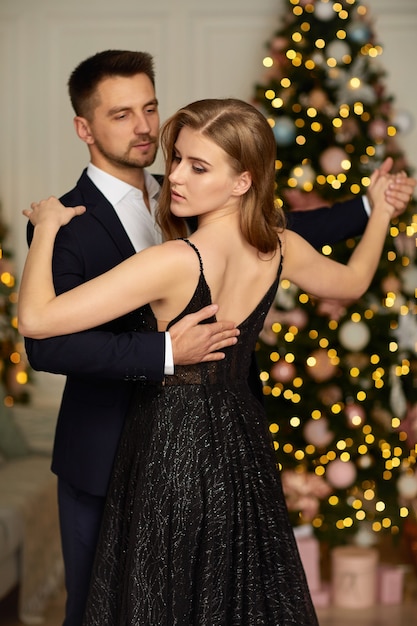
{"x":175,"y":253}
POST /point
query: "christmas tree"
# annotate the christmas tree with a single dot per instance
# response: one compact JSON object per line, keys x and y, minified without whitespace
{"x":13,"y":363}
{"x":340,"y":379}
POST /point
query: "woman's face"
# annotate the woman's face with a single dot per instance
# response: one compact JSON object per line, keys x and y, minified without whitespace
{"x":202,"y":179}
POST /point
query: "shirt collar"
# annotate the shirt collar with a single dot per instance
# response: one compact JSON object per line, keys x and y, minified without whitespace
{"x":115,"y":189}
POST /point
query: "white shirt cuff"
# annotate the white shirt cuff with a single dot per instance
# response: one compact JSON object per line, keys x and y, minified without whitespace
{"x":366,"y":205}
{"x":169,"y":357}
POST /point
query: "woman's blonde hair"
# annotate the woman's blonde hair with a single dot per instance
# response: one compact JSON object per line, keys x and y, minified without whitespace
{"x":246,"y":137}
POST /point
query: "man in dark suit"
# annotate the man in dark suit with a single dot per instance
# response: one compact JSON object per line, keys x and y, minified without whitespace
{"x":113,"y":96}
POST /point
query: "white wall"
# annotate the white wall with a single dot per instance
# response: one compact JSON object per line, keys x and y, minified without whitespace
{"x":201,"y":49}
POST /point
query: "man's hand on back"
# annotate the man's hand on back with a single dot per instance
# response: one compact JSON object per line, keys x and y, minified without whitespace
{"x":193,"y":342}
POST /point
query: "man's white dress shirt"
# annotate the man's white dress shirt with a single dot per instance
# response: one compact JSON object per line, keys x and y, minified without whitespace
{"x":137,"y":220}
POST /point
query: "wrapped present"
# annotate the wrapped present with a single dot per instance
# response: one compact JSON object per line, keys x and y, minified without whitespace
{"x":354,"y":577}
{"x":390,"y":584}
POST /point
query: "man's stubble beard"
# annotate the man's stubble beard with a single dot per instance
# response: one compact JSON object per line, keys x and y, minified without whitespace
{"x":125,"y":160}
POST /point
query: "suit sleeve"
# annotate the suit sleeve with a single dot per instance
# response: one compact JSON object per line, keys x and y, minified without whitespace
{"x":101,"y":352}
{"x":329,"y":225}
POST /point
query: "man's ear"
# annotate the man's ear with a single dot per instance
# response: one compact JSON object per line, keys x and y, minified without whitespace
{"x":243,"y":183}
{"x":82,"y":128}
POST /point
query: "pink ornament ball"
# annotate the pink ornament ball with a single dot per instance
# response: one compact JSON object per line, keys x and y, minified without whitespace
{"x":391,"y":283}
{"x":298,"y":318}
{"x":355,"y":415}
{"x":377,"y":129}
{"x":330,"y":395}
{"x":323,"y":369}
{"x":341,"y":474}
{"x":283,"y":372}
{"x":317,"y":432}
{"x":331,"y":160}
{"x":318,"y":99}
{"x":279,"y":44}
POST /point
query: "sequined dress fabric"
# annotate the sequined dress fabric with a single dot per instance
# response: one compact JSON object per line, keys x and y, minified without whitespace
{"x":195,"y":529}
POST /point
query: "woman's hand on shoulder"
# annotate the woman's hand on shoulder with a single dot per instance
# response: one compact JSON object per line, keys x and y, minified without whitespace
{"x":52,"y":211}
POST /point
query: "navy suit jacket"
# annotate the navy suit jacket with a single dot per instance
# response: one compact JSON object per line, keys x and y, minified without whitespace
{"x":102,"y":365}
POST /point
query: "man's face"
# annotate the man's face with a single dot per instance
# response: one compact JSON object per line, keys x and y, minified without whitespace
{"x":123,"y":132}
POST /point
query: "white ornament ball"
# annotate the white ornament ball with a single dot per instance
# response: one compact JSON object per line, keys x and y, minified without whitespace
{"x":366,"y":93}
{"x":317,"y":432}
{"x":304,"y":174}
{"x":403,"y":121}
{"x":409,"y":277}
{"x":285,"y":298}
{"x":365,"y":461}
{"x":337,"y":50}
{"x":318,"y":58}
{"x":365,"y":537}
{"x":324,"y":10}
{"x":380,"y":150}
{"x":407,"y":486}
{"x":341,"y":474}
{"x":354,"y":335}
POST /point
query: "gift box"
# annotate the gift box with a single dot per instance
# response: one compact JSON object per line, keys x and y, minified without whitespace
{"x":321,"y":597}
{"x":390,"y":584}
{"x":354,"y":577}
{"x":309,"y":550}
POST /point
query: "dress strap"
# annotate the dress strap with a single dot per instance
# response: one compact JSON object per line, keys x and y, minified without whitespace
{"x":282,"y":257}
{"x":190,"y":243}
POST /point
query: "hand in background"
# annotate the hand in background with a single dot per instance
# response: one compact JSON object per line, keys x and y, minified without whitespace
{"x":399,"y":190}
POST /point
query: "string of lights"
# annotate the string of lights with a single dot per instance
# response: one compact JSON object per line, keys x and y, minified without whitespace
{"x":340,"y":379}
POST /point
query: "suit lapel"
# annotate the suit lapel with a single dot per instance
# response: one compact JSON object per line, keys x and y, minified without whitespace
{"x":100,"y":209}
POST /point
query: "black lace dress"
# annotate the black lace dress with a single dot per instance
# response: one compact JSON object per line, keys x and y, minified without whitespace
{"x":195,"y":530}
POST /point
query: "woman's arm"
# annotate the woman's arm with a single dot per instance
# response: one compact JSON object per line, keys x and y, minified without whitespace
{"x":325,"y":278}
{"x":41,"y":314}
{"x":331,"y":224}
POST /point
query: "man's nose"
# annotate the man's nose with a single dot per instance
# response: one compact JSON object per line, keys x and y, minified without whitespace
{"x":142,"y":126}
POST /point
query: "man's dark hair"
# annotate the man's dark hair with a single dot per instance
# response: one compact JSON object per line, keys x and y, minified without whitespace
{"x":88,"y":74}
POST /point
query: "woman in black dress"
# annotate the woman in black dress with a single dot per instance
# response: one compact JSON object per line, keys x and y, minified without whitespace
{"x":196,"y":530}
